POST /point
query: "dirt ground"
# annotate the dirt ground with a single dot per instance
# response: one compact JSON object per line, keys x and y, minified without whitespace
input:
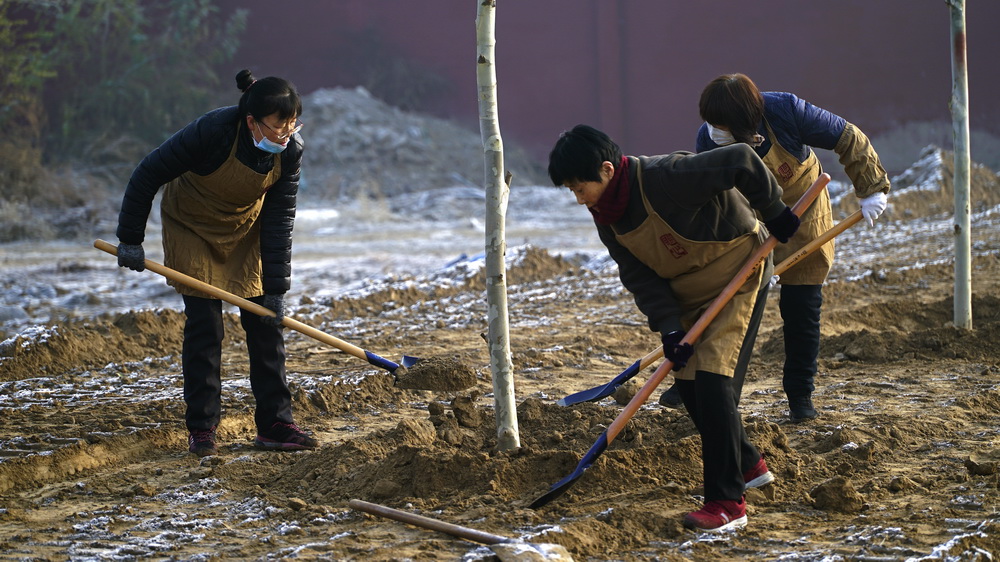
{"x":902,"y":463}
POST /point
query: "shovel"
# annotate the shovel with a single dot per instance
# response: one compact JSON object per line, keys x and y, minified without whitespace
{"x":506,"y":549}
{"x":598,"y":392}
{"x":218,"y":293}
{"x":690,"y":337}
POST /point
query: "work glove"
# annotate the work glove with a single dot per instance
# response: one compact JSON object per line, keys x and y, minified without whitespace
{"x":277,"y":304}
{"x":678,"y":353}
{"x":872,"y":207}
{"x":131,"y":256}
{"x":783,"y":226}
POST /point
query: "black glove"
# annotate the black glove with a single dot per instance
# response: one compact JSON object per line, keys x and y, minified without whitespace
{"x":131,"y":256}
{"x":783,"y":226}
{"x":674,"y":350}
{"x":277,"y":304}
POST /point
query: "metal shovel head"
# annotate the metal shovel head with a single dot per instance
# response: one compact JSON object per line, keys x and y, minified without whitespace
{"x":598,"y":392}
{"x":383,"y":363}
{"x":560,"y":487}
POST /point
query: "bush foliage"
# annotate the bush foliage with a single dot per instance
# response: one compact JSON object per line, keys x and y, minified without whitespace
{"x":90,"y":85}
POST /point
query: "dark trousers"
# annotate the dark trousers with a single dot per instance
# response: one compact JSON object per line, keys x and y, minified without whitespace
{"x":726,"y":452}
{"x":800,"y":310}
{"x":201,"y":360}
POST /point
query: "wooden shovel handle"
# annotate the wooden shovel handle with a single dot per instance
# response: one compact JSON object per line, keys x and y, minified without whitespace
{"x":782,"y":267}
{"x":218,"y":293}
{"x":809,"y":248}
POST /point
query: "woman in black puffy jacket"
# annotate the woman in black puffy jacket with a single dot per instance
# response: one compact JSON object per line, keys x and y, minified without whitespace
{"x":228,"y":208}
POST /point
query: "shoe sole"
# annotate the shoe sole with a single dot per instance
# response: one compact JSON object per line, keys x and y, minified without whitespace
{"x":279,"y":446}
{"x":731,"y":526}
{"x":762,"y":480}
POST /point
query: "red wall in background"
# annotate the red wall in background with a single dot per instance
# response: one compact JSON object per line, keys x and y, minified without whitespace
{"x":635,"y":68}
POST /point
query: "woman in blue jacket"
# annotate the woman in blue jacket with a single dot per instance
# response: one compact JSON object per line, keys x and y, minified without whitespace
{"x":783,"y":128}
{"x":228,"y":208}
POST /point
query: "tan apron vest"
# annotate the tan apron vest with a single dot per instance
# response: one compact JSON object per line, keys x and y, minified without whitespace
{"x":795,"y":179}
{"x":210,"y":227}
{"x":697,"y":272}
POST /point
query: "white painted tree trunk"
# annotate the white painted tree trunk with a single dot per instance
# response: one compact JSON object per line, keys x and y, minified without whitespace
{"x":497,"y":183}
{"x":960,"y":122}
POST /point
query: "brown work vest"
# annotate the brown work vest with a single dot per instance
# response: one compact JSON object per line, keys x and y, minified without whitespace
{"x":795,"y":178}
{"x":697,"y":272}
{"x":210,"y":227}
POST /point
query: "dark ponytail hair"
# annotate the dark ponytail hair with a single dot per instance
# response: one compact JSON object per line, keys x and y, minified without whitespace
{"x":733,"y":101}
{"x":267,"y":96}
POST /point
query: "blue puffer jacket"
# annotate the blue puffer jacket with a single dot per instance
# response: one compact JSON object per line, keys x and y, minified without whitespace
{"x":797,"y":123}
{"x":201,"y":148}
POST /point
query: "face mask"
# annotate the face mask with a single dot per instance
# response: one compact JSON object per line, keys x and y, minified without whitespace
{"x":720,"y":137}
{"x":268,"y":145}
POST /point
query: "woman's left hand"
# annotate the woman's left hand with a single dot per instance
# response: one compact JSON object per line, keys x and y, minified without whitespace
{"x":277,"y":304}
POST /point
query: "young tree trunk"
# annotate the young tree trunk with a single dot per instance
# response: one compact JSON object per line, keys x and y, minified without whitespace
{"x":960,"y":123}
{"x":497,"y":183}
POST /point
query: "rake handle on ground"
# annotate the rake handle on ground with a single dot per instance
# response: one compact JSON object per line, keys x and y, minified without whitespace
{"x":428,"y":523}
{"x":218,"y":293}
{"x":712,"y":311}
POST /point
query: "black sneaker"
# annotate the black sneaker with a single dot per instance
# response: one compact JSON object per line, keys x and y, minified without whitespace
{"x":801,"y":408}
{"x":284,"y":437}
{"x":671,"y":398}
{"x":202,"y":442}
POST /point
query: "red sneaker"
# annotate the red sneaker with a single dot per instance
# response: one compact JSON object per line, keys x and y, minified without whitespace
{"x":758,"y":476}
{"x":718,"y":516}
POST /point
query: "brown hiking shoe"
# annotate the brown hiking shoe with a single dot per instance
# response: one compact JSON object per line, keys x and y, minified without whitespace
{"x":202,"y":442}
{"x":284,"y":437}
{"x":800,"y":408}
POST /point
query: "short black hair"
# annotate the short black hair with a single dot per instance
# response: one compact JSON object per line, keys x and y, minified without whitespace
{"x":578,"y":154}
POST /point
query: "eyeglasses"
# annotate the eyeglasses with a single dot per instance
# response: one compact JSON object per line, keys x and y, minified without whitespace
{"x":284,"y":137}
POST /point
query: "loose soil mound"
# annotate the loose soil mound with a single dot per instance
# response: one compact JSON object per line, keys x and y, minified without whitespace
{"x":901,"y":464}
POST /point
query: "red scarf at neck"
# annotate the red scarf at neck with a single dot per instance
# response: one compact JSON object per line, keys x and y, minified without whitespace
{"x":615,"y":197}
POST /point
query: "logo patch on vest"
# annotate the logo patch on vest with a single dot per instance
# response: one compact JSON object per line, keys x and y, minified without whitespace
{"x":671,"y":244}
{"x":785,"y":171}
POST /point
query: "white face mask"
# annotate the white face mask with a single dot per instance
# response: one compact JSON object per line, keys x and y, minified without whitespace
{"x":720,"y":137}
{"x":268,"y":145}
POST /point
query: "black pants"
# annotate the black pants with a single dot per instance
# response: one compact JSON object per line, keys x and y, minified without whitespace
{"x":800,"y":310}
{"x":201,"y":360}
{"x":726,"y":452}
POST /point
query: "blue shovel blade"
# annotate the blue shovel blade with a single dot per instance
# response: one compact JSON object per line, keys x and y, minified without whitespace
{"x":560,"y":487}
{"x":598,"y":392}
